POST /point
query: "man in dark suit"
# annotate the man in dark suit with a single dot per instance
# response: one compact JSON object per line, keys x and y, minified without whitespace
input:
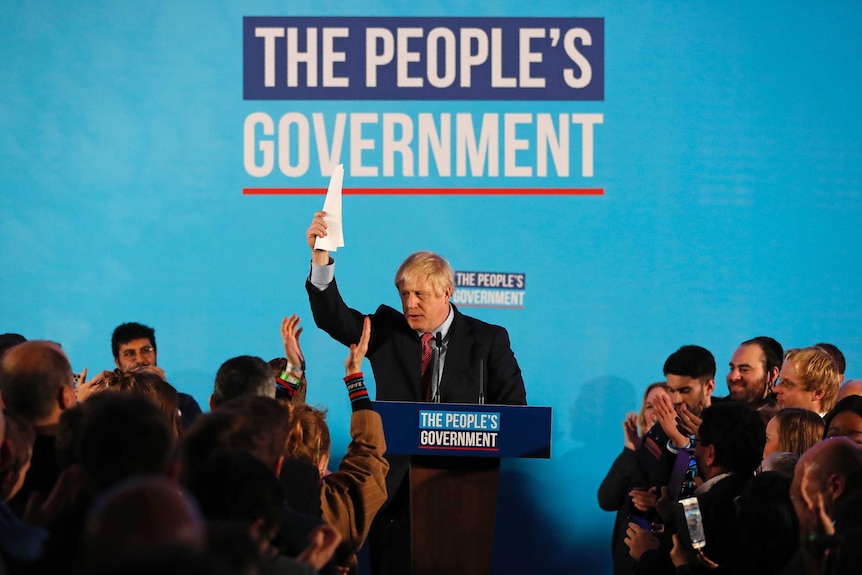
{"x":732,"y":436}
{"x":475,"y":357}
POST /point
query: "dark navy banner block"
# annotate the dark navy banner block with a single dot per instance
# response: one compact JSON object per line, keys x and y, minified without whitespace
{"x":413,"y":58}
{"x":466,"y":430}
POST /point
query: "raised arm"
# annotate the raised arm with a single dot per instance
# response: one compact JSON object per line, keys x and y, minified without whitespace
{"x":292,"y":379}
{"x":317,"y":229}
{"x":351,"y":496}
{"x":353,"y":370}
{"x":668,"y":419}
{"x":290,"y":332}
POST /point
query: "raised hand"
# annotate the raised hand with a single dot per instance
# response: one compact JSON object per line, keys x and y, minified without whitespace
{"x":86,"y":388}
{"x":290,"y":338}
{"x":630,"y":431}
{"x":353,"y":363}
{"x":689,"y":422}
{"x":668,"y":419}
{"x":317,"y":229}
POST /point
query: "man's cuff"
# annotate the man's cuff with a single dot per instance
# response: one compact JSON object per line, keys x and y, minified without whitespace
{"x":674,"y":449}
{"x":321,"y":276}
{"x":358,"y":393}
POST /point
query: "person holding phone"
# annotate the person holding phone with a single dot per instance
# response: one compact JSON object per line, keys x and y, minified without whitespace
{"x":732,"y":436}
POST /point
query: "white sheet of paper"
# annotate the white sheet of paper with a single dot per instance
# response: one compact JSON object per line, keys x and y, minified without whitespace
{"x":332,"y":206}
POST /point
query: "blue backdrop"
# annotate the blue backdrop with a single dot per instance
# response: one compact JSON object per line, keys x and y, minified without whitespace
{"x":728,"y":154}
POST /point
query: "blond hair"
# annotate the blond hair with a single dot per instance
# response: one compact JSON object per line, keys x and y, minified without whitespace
{"x":642,"y":422}
{"x":429,"y":266}
{"x":816,"y":370}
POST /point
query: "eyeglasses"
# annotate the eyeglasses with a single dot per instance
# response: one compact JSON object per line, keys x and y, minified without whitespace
{"x":133,"y":353}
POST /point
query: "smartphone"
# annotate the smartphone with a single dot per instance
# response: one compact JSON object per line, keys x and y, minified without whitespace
{"x":688,"y":514}
{"x":641,"y":522}
{"x":77,"y":379}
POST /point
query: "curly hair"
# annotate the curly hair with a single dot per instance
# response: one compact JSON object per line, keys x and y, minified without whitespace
{"x":308,"y":438}
{"x":146,"y":384}
{"x":737,"y":433}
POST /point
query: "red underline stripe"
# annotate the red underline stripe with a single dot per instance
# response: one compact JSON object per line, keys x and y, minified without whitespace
{"x":490,"y":306}
{"x":447,"y":448}
{"x":428,"y":192}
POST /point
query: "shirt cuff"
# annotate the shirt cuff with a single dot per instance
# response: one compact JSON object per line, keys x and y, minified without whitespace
{"x":321,"y":276}
{"x":674,"y":449}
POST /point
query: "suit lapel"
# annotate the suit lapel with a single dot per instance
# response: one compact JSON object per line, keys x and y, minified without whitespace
{"x":458,"y":353}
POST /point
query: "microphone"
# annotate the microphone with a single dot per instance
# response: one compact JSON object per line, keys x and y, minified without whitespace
{"x":479,"y":351}
{"x":438,"y":341}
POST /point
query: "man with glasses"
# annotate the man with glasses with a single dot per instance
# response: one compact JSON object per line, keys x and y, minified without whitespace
{"x":809,"y":379}
{"x":134,"y":348}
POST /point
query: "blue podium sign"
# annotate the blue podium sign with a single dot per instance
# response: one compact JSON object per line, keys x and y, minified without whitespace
{"x":466,"y":430}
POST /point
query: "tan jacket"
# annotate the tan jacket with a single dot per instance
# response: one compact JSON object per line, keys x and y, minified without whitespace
{"x":352,"y":496}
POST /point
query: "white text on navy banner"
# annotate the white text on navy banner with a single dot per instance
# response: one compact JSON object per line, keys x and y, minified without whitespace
{"x":489,"y":289}
{"x":458,"y":430}
{"x":422,"y":58}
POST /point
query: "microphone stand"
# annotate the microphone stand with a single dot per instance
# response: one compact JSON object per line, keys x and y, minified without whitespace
{"x":438,"y":340}
{"x":481,"y":381}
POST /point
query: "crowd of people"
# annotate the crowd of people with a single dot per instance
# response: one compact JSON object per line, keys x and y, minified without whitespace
{"x":766,"y":480}
{"x":122,"y":473}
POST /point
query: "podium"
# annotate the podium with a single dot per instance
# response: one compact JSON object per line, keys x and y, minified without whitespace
{"x":455,"y":451}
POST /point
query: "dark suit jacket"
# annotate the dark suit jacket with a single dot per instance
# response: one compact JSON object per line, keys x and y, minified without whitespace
{"x":394,"y":351}
{"x":718,"y":507}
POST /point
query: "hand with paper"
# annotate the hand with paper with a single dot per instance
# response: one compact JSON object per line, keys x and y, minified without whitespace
{"x":317,"y":231}
{"x":325,"y":234}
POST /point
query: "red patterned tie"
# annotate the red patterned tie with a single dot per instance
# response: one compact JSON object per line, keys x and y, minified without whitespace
{"x":426,"y":364}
